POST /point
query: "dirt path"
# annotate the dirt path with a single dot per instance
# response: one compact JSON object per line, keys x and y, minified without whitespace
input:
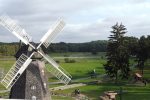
{"x":67,"y":86}
{"x":77,"y":80}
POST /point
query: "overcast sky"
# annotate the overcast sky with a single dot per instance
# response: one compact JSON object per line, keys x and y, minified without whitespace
{"x":86,"y":20}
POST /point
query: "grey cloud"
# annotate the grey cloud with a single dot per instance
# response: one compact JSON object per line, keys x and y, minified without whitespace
{"x":101,"y":30}
{"x":36,"y":16}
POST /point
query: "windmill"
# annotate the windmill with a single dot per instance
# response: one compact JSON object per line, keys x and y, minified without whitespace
{"x":28,"y":71}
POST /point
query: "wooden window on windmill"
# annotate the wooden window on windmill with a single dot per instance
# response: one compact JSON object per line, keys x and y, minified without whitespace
{"x":33,"y":97}
{"x":33,"y":87}
{"x":42,"y":72}
{"x":44,"y":85}
{"x":29,"y":49}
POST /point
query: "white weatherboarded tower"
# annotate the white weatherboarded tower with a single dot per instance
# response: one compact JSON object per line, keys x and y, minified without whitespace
{"x":26,"y":78}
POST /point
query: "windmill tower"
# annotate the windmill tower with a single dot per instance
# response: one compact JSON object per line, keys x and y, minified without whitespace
{"x":26,"y":79}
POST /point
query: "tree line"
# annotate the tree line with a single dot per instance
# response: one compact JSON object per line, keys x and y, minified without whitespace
{"x":97,"y":46}
{"x":9,"y":49}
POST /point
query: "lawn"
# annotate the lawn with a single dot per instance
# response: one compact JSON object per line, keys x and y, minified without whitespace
{"x":131,"y":92}
{"x":61,"y":98}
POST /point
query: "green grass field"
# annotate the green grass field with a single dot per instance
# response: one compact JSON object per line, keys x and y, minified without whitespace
{"x":81,"y":68}
{"x":5,"y":65}
{"x":77,"y":54}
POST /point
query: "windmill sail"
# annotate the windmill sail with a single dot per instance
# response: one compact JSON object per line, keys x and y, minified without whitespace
{"x":52,"y":33}
{"x":57,"y":71}
{"x":21,"y":64}
{"x":16,"y":70}
{"x":10,"y":25}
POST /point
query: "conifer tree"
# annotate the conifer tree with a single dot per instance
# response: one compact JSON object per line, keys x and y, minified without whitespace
{"x":117,"y":54}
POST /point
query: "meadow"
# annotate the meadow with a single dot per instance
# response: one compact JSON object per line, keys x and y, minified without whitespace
{"x":81,"y":69}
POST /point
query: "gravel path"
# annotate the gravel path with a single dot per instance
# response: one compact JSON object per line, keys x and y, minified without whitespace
{"x":67,"y":86}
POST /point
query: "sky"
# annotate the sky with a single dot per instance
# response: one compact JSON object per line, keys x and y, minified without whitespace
{"x":86,"y":20}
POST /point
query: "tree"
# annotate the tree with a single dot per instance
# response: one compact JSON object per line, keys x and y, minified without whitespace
{"x":143,"y":52}
{"x":94,"y":52}
{"x":132,"y":44}
{"x":148,"y":45}
{"x":117,"y":54}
